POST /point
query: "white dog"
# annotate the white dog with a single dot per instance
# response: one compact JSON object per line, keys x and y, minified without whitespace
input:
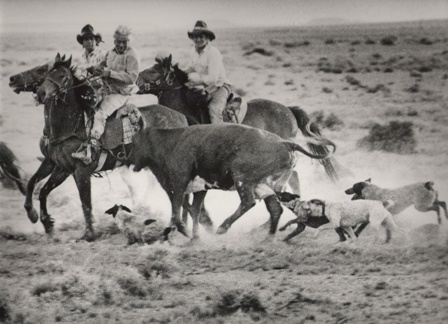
{"x":347,"y":214}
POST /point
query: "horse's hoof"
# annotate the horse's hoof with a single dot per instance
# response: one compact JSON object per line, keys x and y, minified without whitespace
{"x":221,"y":230}
{"x":33,"y":216}
{"x":49,"y":230}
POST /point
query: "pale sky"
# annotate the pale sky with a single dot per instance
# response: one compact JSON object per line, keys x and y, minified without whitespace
{"x":182,"y":14}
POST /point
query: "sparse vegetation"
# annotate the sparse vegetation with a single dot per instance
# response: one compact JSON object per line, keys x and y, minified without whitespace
{"x":389,"y":40}
{"x":243,"y":277}
{"x":396,"y":137}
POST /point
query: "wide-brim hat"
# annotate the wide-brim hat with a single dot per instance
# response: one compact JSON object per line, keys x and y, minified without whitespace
{"x":201,"y":28}
{"x":88,"y":31}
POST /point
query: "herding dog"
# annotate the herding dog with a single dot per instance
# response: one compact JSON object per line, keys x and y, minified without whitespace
{"x":422,"y":195}
{"x":292,"y":202}
{"x":347,"y":214}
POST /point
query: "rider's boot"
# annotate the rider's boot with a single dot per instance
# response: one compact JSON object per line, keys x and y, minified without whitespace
{"x":85,"y":155}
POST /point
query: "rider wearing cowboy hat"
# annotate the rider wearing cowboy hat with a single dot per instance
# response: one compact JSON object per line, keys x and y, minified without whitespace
{"x":119,"y":71}
{"x":93,"y":54}
{"x":206,"y":69}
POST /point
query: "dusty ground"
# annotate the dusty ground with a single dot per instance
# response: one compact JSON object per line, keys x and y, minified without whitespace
{"x":244,"y":277}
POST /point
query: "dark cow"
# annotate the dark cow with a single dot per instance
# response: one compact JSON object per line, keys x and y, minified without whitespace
{"x":195,"y":159}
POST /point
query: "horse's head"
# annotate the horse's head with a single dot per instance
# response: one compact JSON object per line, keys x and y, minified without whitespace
{"x":159,"y":77}
{"x":30,"y":80}
{"x":58,"y":80}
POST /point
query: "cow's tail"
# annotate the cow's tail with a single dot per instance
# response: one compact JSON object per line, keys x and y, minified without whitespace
{"x":10,"y":168}
{"x":316,"y":143}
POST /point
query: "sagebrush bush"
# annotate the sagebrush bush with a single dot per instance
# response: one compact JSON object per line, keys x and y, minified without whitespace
{"x":388,"y":40}
{"x":5,"y":311}
{"x":230,"y":301}
{"x":396,"y":137}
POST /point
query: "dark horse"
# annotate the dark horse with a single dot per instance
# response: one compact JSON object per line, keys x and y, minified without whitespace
{"x":9,"y":168}
{"x":65,"y":124}
{"x":167,"y":82}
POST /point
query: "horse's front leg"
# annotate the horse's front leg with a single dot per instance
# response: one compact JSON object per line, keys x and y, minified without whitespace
{"x":45,"y":169}
{"x":57,"y":177}
{"x":82,"y":179}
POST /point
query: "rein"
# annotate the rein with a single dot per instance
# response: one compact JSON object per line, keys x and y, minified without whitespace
{"x":147,"y":86}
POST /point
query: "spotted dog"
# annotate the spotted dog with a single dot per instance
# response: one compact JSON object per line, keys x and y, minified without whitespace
{"x":347,"y":214}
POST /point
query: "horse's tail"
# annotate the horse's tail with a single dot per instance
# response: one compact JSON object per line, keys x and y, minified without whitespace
{"x":311,"y":130}
{"x":10,"y":168}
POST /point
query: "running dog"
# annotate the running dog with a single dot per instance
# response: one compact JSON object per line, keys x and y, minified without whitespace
{"x":347,"y":214}
{"x":292,"y":202}
{"x":422,"y":195}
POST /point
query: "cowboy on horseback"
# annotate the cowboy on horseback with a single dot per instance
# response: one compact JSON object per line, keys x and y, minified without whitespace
{"x":119,"y":71}
{"x":206,"y":70}
{"x":92,"y":56}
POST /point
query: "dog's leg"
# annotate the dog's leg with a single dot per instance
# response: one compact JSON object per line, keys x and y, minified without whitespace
{"x":341,"y":234}
{"x":360,"y":228}
{"x":292,"y":221}
{"x":350,"y":232}
{"x":443,"y":205}
{"x":323,"y":228}
{"x":299,"y":229}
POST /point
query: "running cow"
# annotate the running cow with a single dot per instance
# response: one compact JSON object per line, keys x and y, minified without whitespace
{"x":195,"y":159}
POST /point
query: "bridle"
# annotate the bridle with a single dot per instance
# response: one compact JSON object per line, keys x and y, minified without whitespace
{"x":164,"y":83}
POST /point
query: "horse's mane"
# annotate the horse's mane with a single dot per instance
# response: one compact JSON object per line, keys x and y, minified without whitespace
{"x":180,"y":75}
{"x":72,"y":69}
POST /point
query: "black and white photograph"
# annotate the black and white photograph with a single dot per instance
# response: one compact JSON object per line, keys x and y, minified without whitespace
{"x":205,"y":161}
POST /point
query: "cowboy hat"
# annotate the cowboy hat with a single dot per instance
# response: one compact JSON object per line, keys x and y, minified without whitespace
{"x":88,"y":31}
{"x":201,"y":28}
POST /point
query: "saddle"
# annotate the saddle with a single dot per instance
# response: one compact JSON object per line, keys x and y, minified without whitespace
{"x":234,"y":112}
{"x":120,"y":127}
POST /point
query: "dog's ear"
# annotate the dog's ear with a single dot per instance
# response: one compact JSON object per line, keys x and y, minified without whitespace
{"x":126,"y":209}
{"x":112,"y":211}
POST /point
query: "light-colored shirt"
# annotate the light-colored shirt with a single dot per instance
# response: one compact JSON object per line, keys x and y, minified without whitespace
{"x":124,"y":71}
{"x":88,"y":60}
{"x":210,"y":67}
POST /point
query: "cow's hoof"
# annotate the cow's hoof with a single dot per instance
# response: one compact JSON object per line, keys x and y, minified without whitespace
{"x":33,"y":215}
{"x":221,"y":230}
{"x":182,"y":229}
{"x":89,"y":236}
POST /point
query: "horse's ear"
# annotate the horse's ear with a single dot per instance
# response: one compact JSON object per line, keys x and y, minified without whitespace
{"x":58,"y":58}
{"x":69,"y":61}
{"x":169,"y":59}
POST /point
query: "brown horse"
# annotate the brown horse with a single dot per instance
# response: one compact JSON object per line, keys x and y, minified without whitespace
{"x":64,"y":116}
{"x":10,"y":169}
{"x":30,"y":81}
{"x":167,"y":82}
